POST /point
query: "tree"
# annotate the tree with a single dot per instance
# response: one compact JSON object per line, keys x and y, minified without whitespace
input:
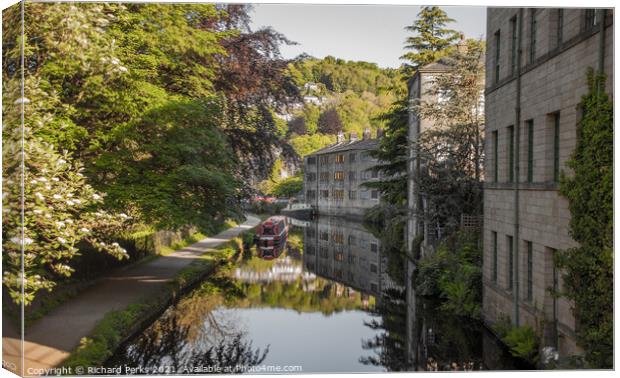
{"x":297,"y":125}
{"x":452,"y":150}
{"x":329,"y":122}
{"x":431,"y":40}
{"x":49,"y":207}
{"x":254,"y":79}
{"x":289,"y":187}
{"x":589,"y":268}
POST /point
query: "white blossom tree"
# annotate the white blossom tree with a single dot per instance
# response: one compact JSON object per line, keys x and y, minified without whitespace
{"x":48,"y":206}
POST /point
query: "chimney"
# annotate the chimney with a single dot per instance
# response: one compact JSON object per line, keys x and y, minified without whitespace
{"x":462,"y":45}
{"x":379,"y":133}
{"x":340,"y":137}
{"x":353,"y":136}
{"x":366,"y":134}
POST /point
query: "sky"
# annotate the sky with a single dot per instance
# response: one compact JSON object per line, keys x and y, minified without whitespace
{"x":372,"y":33}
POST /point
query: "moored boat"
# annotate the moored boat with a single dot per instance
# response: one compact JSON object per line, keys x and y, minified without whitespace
{"x":271,"y":236}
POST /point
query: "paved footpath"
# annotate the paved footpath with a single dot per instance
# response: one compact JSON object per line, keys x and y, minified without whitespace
{"x":51,"y":339}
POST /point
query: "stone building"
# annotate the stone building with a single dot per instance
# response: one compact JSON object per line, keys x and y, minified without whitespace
{"x":536,"y":67}
{"x":333,"y":177}
{"x":419,"y":85}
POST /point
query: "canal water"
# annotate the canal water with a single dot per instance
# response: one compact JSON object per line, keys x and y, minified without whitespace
{"x":325,"y":304}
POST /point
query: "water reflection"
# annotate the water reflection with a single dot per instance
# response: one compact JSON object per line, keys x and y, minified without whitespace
{"x":326,"y":303}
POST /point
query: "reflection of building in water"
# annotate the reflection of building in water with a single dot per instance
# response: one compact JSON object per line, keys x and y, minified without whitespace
{"x":344,"y":251}
{"x":286,"y":269}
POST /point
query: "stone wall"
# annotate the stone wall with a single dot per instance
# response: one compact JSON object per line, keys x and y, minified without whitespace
{"x":552,"y":82}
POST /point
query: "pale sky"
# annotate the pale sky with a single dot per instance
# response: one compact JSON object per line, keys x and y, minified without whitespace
{"x":372,"y":33}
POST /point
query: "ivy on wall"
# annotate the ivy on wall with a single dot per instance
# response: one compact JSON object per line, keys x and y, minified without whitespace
{"x":588,"y":269}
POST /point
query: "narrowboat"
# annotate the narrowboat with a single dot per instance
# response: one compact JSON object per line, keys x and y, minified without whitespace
{"x":271,"y":236}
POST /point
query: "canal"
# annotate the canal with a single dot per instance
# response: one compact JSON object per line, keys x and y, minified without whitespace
{"x":325,"y":303}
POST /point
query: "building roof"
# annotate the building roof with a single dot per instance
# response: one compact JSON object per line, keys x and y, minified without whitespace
{"x":362,"y":144}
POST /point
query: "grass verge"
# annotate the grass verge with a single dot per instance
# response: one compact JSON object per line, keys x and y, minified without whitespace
{"x":119,"y":326}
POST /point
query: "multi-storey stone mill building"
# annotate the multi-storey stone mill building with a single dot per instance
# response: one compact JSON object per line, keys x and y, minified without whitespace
{"x":536,"y":66}
{"x":333,"y":177}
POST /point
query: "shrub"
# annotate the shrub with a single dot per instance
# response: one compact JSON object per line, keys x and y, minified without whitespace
{"x":523,"y":343}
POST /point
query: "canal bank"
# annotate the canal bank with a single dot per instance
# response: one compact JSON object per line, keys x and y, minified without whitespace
{"x":326,"y":304}
{"x":128,"y":294}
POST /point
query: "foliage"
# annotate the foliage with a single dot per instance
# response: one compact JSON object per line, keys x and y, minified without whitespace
{"x":350,"y":97}
{"x":392,"y":155}
{"x":168,"y":108}
{"x":523,"y":343}
{"x":307,"y":144}
{"x":175,"y":167}
{"x":329,"y":122}
{"x":589,"y":268}
{"x":60,"y":209}
{"x":430,"y":42}
{"x":337,"y":75}
{"x":453,"y":273}
{"x":288,"y":187}
{"x":452,"y":150}
{"x":431,"y":39}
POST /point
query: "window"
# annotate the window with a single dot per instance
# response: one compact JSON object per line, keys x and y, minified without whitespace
{"x":374,"y":173}
{"x":511,"y":153}
{"x":510,"y":261}
{"x":311,"y":194}
{"x":352,"y":176}
{"x":365,"y":156}
{"x":339,"y":176}
{"x":530,"y":273}
{"x":339,"y":256}
{"x":532,"y":35}
{"x":374,"y":194}
{"x":324,"y":236}
{"x":513,"y":45}
{"x":373,"y":268}
{"x":324,"y":160}
{"x":312,"y":160}
{"x":310,"y":250}
{"x":311,"y":176}
{"x":352,"y":157}
{"x":373,"y":247}
{"x":495,"y":156}
{"x":530,"y":150}
{"x":351,"y":259}
{"x":324,"y":177}
{"x":352,"y":194}
{"x":324,"y":194}
{"x":363,"y":194}
{"x":591,"y":20}
{"x":310,"y":232}
{"x":323,"y":252}
{"x":352,"y":240}
{"x":497,"y":55}
{"x":338,"y":194}
{"x":560,"y":27}
{"x":340,"y":159}
{"x":556,"y":147}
